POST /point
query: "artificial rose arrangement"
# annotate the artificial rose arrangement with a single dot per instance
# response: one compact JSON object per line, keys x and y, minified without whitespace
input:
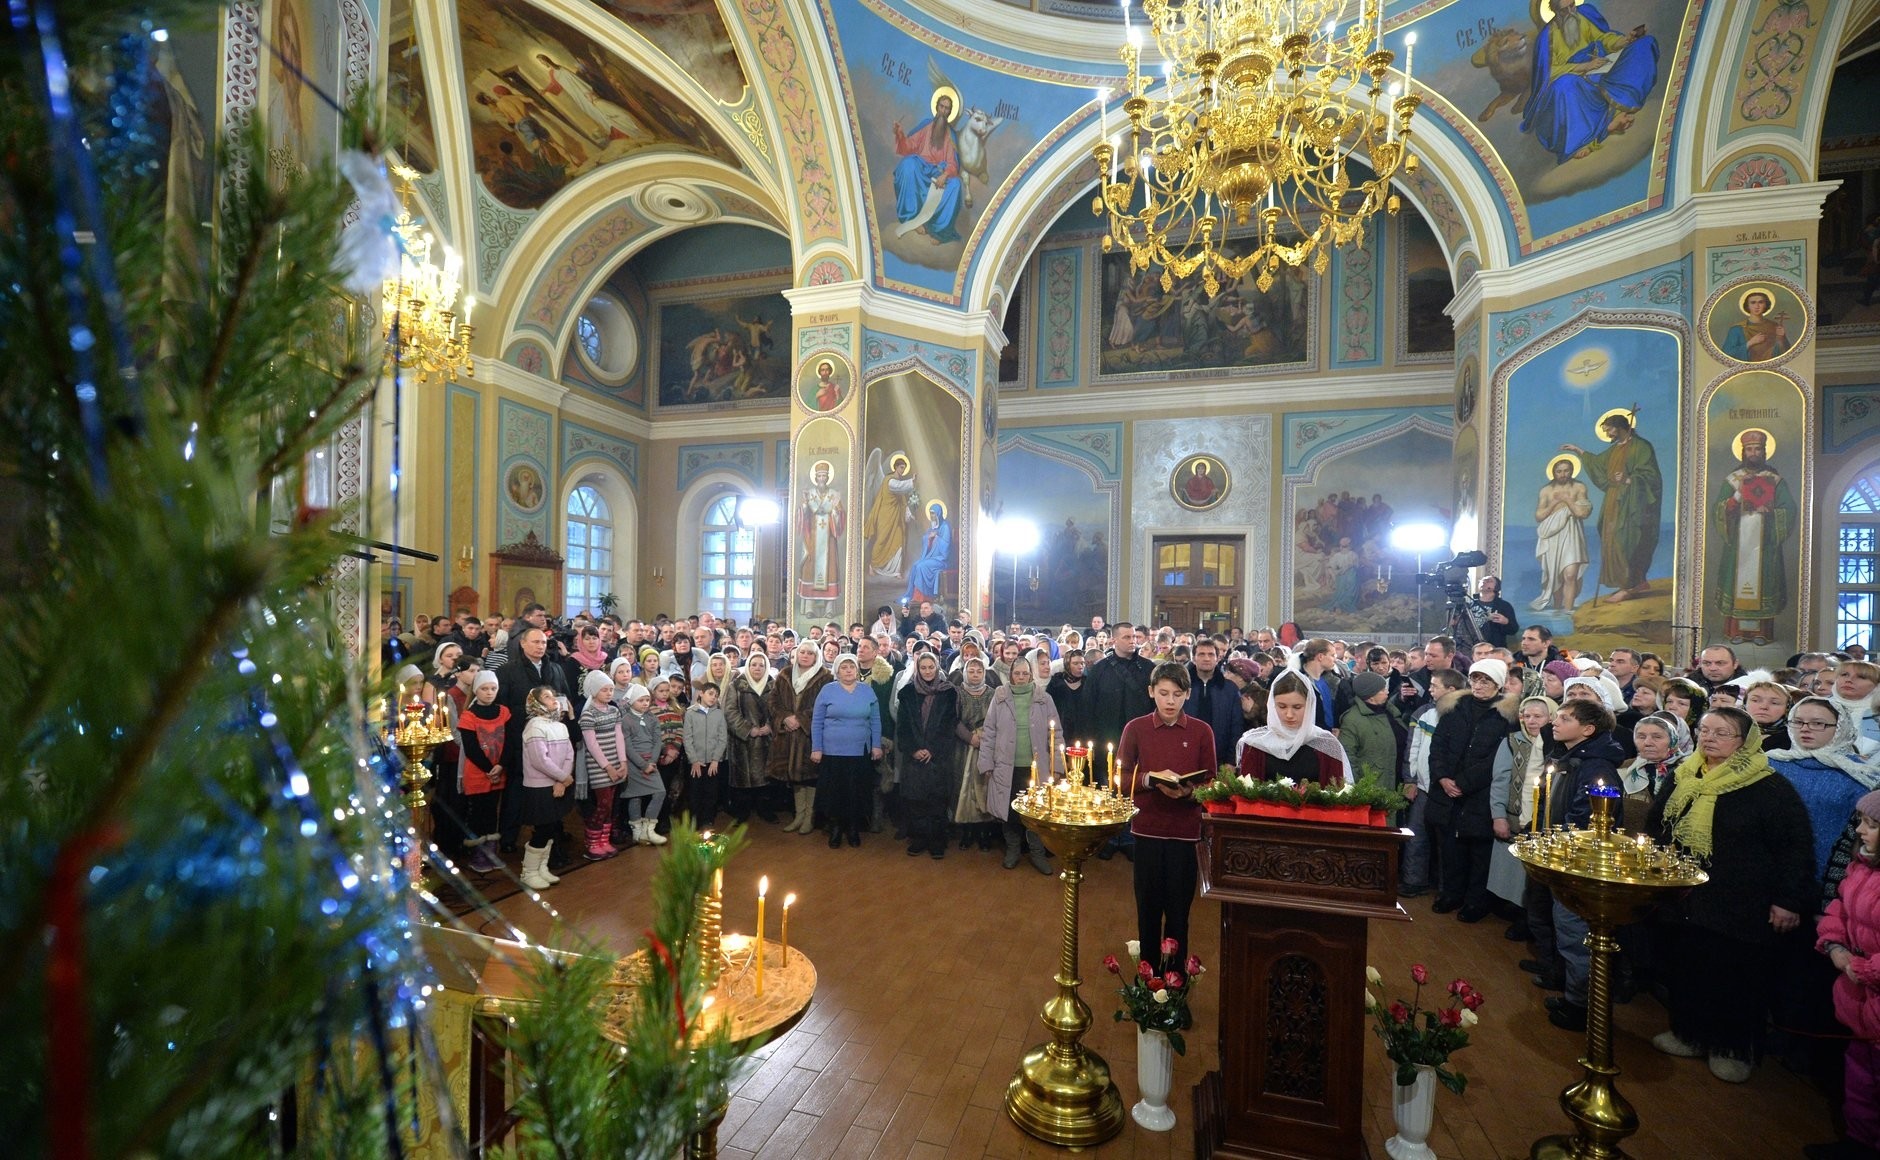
{"x":1443,"y":1030}
{"x":1157,"y":999}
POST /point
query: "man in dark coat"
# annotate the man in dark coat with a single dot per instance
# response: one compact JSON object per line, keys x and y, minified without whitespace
{"x":1462,"y":769}
{"x":1119,"y":694}
{"x":1585,"y":753}
{"x":1716,"y":667}
{"x":529,"y":668}
{"x":1212,"y":698}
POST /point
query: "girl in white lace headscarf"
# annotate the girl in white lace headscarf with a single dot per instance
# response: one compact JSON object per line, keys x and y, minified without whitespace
{"x":1291,"y":744}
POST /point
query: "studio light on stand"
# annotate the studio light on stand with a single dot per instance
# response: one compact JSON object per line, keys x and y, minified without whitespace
{"x":1418,"y":539}
{"x":1018,"y":537}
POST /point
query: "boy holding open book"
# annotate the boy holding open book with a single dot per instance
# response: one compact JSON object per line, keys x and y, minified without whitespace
{"x":1163,"y":756}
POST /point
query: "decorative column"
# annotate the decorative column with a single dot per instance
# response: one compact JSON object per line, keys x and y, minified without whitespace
{"x":893,"y":461}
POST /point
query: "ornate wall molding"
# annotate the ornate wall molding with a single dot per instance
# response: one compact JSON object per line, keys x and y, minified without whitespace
{"x":579,"y":442}
{"x":744,"y":459}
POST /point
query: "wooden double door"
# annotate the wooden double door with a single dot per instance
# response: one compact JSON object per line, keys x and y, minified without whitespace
{"x":1197,"y":582}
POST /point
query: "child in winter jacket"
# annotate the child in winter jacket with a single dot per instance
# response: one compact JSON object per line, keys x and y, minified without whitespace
{"x":638,"y":797}
{"x":547,"y":772}
{"x":707,"y":741}
{"x":480,"y":729}
{"x":603,"y":762}
{"x":1849,"y":934}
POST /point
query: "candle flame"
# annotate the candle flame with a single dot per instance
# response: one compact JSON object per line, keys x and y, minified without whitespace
{"x":763,"y":886}
{"x":787,"y":900}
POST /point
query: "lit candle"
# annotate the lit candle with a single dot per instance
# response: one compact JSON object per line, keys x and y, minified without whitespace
{"x":788,"y":899}
{"x":1127,"y":27}
{"x":1409,"y":56}
{"x":1547,"y":798}
{"x":1110,"y":746}
{"x":1380,"y":23}
{"x":1103,"y":114}
{"x":763,"y":888}
{"x":469,"y":304}
{"x":1051,"y":748}
{"x":1534,"y":819}
{"x":1390,"y":115}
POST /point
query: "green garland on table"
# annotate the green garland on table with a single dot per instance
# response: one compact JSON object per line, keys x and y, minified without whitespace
{"x":1367,"y":791}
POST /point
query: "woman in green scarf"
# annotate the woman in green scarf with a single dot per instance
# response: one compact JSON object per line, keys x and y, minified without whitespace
{"x":1751,"y":832}
{"x":1014,"y":740}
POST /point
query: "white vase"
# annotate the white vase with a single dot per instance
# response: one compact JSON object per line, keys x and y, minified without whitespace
{"x":1413,"y":1107}
{"x":1155,"y":1071}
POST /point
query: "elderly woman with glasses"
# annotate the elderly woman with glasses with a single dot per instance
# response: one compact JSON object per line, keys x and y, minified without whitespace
{"x":1748,"y":826}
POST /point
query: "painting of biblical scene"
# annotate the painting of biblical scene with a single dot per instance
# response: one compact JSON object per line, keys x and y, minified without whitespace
{"x":1071,"y":565}
{"x":1144,"y":330}
{"x":724,"y":350}
{"x":1589,"y":481}
{"x":820,"y":522}
{"x":693,"y":34}
{"x":912,"y":488}
{"x":304,"y":64}
{"x":1346,"y":576}
{"x":548,"y":104}
{"x":1568,"y":92}
{"x":1756,"y":321}
{"x":1847,"y":286}
{"x":1426,"y":288}
{"x":1753,"y":461}
{"x":182,"y":86}
{"x":407,"y":101}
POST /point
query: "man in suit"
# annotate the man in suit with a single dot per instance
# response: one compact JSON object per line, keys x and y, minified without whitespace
{"x":528,"y":668}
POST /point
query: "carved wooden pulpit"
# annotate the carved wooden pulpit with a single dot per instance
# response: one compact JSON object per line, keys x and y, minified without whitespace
{"x":1295,"y":900}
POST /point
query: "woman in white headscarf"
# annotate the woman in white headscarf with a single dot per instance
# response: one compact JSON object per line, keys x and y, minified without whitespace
{"x":1663,"y":740}
{"x":1824,"y":764}
{"x":1291,"y":744}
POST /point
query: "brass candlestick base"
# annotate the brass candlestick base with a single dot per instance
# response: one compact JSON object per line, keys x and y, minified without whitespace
{"x":1608,"y":879}
{"x":1062,"y":1092}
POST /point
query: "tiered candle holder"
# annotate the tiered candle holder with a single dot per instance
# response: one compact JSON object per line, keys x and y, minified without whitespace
{"x":416,"y":731}
{"x":1610,"y":879}
{"x":1062,"y":1092}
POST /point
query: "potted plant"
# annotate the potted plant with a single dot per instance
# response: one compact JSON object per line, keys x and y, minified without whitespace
{"x":1156,"y":1000}
{"x":1420,"y":1040}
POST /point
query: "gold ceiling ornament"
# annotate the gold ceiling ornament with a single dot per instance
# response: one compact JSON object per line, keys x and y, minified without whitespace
{"x":420,"y":305}
{"x":1258,"y":101}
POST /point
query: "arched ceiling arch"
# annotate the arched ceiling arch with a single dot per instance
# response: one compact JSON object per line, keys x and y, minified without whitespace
{"x":581,"y":238}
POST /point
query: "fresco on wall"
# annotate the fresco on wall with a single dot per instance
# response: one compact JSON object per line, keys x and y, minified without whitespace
{"x":1466,"y":474}
{"x":912,"y":488}
{"x":182,"y":92}
{"x":1753,"y":459}
{"x":548,"y":104}
{"x":1589,"y":478}
{"x":932,"y":175}
{"x":1072,"y":562}
{"x":824,"y":382}
{"x":819,"y":520}
{"x":1144,"y":330}
{"x":1756,"y":321}
{"x":304,"y":64}
{"x":1427,"y":288}
{"x":1346,"y":576}
{"x":1847,"y":283}
{"x":407,"y":101}
{"x":724,"y":350}
{"x":1569,"y":96}
{"x":693,"y":34}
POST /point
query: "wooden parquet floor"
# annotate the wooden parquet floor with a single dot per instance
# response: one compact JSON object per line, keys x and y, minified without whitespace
{"x":931,"y":976}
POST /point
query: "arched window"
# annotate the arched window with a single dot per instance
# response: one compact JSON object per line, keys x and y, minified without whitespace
{"x":590,"y":550}
{"x":1858,"y":573}
{"x":727,"y":561}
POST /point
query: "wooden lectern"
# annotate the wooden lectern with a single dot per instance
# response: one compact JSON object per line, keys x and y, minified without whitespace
{"x":1295,"y":898}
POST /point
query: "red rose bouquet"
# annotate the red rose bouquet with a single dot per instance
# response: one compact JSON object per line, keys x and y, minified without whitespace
{"x":1415,"y":1035}
{"x":1156,"y":999}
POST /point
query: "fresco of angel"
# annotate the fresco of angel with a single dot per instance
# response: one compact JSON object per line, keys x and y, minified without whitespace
{"x":894,"y":502}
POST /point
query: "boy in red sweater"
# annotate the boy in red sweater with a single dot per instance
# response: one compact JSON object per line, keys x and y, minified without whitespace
{"x":1168,"y":824}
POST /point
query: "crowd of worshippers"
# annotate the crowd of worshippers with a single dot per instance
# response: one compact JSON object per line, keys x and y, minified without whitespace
{"x":928,"y":727}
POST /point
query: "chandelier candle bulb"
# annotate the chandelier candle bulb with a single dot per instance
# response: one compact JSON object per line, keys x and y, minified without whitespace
{"x":1409,"y":56}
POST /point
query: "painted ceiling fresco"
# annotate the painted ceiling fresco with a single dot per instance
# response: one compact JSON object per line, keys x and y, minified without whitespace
{"x":693,"y":34}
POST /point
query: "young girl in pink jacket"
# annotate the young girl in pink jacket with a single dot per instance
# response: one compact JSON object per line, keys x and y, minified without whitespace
{"x":547,"y":772}
{"x":1849,"y":934}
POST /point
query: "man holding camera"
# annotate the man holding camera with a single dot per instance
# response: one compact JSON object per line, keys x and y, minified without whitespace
{"x":1501,"y":623}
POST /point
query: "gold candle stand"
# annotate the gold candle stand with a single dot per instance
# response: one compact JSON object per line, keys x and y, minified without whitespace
{"x":1062,"y":1092}
{"x":1608,"y":879}
{"x":418,"y":729}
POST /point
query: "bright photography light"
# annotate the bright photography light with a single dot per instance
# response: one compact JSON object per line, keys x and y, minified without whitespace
{"x":1016,"y":535}
{"x":759,"y":511}
{"x":1418,"y":538}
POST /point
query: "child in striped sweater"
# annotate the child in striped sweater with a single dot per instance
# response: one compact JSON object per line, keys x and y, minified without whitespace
{"x":603,"y":762}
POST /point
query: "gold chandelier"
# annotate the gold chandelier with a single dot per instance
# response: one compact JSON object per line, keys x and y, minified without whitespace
{"x":1260,"y":101}
{"x":420,"y":304}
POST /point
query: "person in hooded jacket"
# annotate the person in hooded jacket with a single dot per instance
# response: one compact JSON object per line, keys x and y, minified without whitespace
{"x":1584,"y":754}
{"x":1848,"y":936}
{"x":1462,"y":774}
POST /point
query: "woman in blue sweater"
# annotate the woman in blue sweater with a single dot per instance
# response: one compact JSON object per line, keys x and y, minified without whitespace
{"x":845,"y":743}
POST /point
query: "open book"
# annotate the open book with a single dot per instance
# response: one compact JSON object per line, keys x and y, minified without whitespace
{"x":1178,"y":780}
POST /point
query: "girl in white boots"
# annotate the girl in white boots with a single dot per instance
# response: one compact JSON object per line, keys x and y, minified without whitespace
{"x":639,"y":795}
{"x":547,"y":772}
